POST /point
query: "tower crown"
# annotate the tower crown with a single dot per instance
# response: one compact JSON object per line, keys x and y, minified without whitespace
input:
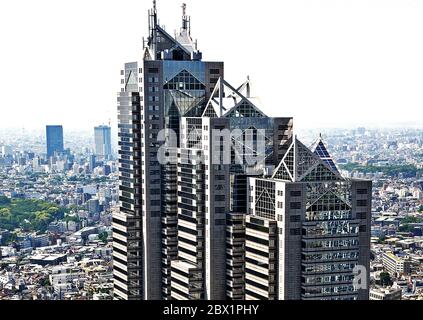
{"x":160,"y":45}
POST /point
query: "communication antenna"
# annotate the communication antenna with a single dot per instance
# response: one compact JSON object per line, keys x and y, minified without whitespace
{"x":186,"y":20}
{"x":248,"y":87}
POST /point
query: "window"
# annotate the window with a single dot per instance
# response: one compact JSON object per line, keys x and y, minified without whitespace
{"x":153,"y":108}
{"x":265,"y":199}
{"x":153,"y":98}
{"x":153,"y":79}
{"x":219,"y":222}
{"x":361,"y":191}
{"x":295,"y":205}
{"x":214,"y":71}
{"x":153,"y":70}
{"x":295,"y":218}
{"x":155,"y":214}
{"x":280,"y":205}
{"x":362,"y":203}
{"x":295,"y":193}
{"x":295,"y":232}
{"x":361,"y":215}
{"x":219,"y":198}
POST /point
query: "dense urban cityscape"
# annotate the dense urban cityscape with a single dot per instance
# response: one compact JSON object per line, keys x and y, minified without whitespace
{"x":55,"y":215}
{"x":69,"y":255}
{"x":197,"y":194}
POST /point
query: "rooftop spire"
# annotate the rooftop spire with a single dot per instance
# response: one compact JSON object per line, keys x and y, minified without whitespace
{"x":320,"y":149}
{"x":152,"y":21}
{"x":186,"y":21}
{"x":184,"y":9}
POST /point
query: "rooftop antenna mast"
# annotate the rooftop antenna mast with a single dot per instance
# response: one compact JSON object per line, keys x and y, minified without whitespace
{"x":186,"y":20}
{"x":248,"y":87}
{"x":152,"y":27}
{"x":154,"y":14}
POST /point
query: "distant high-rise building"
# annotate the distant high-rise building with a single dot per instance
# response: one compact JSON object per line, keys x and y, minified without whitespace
{"x":103,"y":142}
{"x":54,"y":136}
{"x":92,"y":162}
{"x":361,"y":131}
{"x":6,"y":151}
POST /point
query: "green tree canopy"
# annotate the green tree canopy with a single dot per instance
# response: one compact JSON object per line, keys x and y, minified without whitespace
{"x":385,"y":279}
{"x":103,"y":236}
{"x":28,"y":214}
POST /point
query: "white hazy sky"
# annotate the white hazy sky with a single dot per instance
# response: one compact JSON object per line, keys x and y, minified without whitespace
{"x":326,"y":62}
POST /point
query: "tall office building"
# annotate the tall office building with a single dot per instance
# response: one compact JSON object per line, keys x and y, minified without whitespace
{"x":235,"y":256}
{"x":103,"y":142}
{"x":169,"y":82}
{"x":54,"y":136}
{"x":190,"y":227}
{"x":308,"y":230}
{"x":209,"y":187}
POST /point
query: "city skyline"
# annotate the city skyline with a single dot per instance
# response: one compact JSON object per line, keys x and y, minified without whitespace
{"x":245,"y":151}
{"x":379,"y":74}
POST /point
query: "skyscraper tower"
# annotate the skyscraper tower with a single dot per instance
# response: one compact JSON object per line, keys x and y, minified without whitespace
{"x":54,"y":135}
{"x":211,"y":188}
{"x":169,"y":82}
{"x":308,"y":230}
{"x":103,"y":142}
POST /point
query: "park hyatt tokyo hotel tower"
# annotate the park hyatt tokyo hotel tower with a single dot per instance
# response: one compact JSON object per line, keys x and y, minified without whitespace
{"x":277,"y":222}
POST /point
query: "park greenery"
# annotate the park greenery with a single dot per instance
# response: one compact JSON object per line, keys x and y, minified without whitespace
{"x":385,"y":279}
{"x":84,"y":179}
{"x":407,"y":223}
{"x":28,"y":214}
{"x":103,"y":237}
